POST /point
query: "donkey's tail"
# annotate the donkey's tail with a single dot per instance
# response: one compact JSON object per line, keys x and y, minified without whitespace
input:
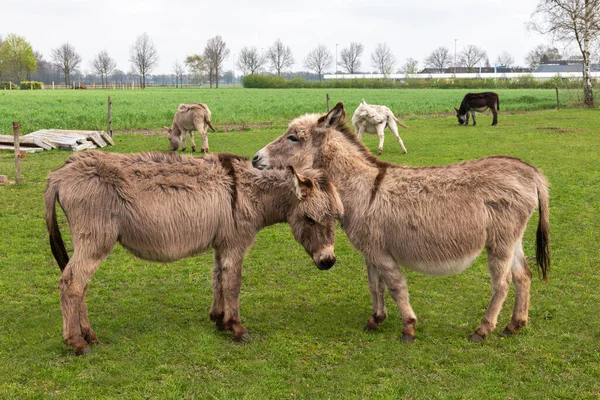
{"x":208,"y":123}
{"x":542,"y":251}
{"x":56,"y":242}
{"x":399,"y":122}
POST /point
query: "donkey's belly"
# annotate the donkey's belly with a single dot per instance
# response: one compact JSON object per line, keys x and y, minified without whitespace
{"x":441,"y":268}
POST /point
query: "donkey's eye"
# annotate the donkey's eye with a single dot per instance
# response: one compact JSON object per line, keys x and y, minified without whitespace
{"x":293,"y":138}
{"x":310,"y":220}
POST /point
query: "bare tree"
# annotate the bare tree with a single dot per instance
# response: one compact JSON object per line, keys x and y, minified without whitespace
{"x":318,"y":60}
{"x":350,"y":57}
{"x":103,"y":64}
{"x":143,"y":57}
{"x":280,"y":56}
{"x":505,"y":59}
{"x":250,"y":60}
{"x":383,"y":59}
{"x":438,"y":59}
{"x":471,"y":56}
{"x":541,"y":54}
{"x":215,"y":53}
{"x":66,"y":60}
{"x":409,"y":67}
{"x":571,"y":21}
{"x":179,"y":70}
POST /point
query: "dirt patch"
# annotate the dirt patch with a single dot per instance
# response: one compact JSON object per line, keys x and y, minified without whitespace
{"x":555,"y":129}
{"x":242,"y":127}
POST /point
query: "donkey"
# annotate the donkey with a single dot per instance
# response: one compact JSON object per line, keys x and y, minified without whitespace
{"x":434,"y":220}
{"x":164,"y":207}
{"x":374,"y":119}
{"x":189,"y":118}
{"x":473,"y":102}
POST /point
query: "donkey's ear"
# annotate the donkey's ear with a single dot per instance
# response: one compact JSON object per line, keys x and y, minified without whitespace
{"x":333,"y":118}
{"x":455,"y":109}
{"x":302,"y":184}
{"x":364,"y":102}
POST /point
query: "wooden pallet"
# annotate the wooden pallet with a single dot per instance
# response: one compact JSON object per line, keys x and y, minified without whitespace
{"x":48,"y":139}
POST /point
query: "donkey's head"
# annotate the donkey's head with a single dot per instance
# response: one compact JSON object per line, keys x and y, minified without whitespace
{"x":300,"y":144}
{"x":175,"y":140}
{"x":462,"y":118}
{"x":312,"y":217}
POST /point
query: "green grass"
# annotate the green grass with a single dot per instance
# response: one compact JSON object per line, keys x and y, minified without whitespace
{"x":157,"y":340}
{"x":153,"y":108}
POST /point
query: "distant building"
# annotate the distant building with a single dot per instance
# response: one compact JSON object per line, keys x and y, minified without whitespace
{"x":558,"y":66}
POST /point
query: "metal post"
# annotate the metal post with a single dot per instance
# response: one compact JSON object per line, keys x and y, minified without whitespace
{"x":17,"y":152}
{"x":327,"y":99}
{"x":109,"y":116}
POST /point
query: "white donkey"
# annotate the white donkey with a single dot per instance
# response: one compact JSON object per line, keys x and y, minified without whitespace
{"x":374,"y":119}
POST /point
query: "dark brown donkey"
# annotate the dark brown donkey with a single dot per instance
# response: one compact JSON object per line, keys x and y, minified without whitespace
{"x":164,"y":207}
{"x":473,"y":102}
{"x":434,"y":220}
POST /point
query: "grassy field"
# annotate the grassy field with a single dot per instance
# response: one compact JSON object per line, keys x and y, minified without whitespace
{"x":157,"y":340}
{"x":153,"y":108}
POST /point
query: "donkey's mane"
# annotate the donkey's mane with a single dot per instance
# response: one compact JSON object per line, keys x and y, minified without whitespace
{"x":371,"y":159}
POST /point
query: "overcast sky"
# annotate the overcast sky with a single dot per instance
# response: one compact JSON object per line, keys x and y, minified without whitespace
{"x":182,"y":27}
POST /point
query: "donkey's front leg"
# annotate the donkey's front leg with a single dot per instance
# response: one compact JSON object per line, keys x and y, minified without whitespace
{"x":377,"y":289}
{"x":398,"y":288}
{"x":473,"y":114}
{"x":231,"y":282}
{"x":217,"y":308}
{"x":380,"y":133}
{"x":183,"y":139}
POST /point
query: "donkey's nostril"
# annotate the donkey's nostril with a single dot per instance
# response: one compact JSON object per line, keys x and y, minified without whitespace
{"x":255,"y":158}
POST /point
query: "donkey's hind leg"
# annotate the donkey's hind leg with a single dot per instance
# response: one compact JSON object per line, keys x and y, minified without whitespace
{"x":394,"y":128}
{"x":73,"y":284}
{"x":377,"y":289}
{"x":521,"y":277}
{"x":192,"y":141}
{"x":217,"y":308}
{"x":499,"y":264}
{"x":396,"y":283}
{"x":380,"y":133}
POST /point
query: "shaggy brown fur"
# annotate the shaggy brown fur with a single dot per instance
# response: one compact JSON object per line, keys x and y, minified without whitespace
{"x":164,"y":207}
{"x":189,"y":118}
{"x":434,"y":220}
{"x":372,"y":118}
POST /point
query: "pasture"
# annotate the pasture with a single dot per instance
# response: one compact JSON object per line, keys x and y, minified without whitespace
{"x":306,"y":324}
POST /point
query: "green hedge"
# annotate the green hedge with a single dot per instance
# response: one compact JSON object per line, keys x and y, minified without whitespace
{"x":7,"y":86}
{"x":28,"y":85}
{"x":523,"y":82}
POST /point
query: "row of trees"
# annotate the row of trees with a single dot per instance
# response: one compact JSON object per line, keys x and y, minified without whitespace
{"x":568,"y":21}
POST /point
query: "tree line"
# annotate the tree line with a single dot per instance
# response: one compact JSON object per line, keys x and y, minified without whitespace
{"x":567,"y":21}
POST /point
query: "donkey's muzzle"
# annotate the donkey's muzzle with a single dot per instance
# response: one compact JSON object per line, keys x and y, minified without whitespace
{"x":326,"y":263}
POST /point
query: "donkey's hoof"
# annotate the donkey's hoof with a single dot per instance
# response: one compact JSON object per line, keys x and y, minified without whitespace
{"x":371,"y":326}
{"x":82,"y":352}
{"x":205,"y":151}
{"x":243,"y":338}
{"x":476,"y":337}
{"x":407,"y":338}
{"x":193,"y":149}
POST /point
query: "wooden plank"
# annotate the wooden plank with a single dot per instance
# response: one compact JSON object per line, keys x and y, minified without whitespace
{"x":84,"y":146}
{"x":107,"y":138}
{"x":22,"y":149}
{"x":94,"y":136}
{"x":58,"y":138}
{"x":27,"y":141}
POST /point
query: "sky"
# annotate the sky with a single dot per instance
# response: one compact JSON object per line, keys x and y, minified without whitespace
{"x":178,"y":28}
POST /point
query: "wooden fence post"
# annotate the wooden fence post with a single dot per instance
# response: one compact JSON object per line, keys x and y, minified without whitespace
{"x":557,"y":99}
{"x":17,"y":152}
{"x":109,"y":116}
{"x":327,"y":99}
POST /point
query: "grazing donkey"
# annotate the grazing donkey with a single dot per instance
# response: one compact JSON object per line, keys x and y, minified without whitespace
{"x":164,"y":207}
{"x":189,"y":118}
{"x":434,"y":220}
{"x":473,"y":102}
{"x":374,"y":119}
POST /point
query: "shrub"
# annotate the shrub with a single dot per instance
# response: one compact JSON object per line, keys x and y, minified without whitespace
{"x":31,"y":85}
{"x":7,"y":86}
